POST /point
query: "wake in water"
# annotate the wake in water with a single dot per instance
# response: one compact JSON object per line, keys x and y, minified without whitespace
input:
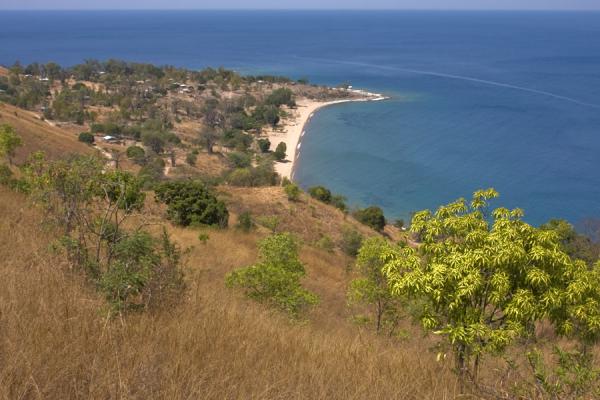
{"x":458,"y":77}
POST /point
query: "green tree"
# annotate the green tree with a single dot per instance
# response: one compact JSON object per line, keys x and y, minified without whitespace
{"x":372,"y":288}
{"x":264,"y":145}
{"x":137,"y":154}
{"x":280,"y":151}
{"x":320,"y":193}
{"x":191,"y":202}
{"x":372,"y":217}
{"x":486,"y":279}
{"x":275,"y":279}
{"x":9,"y":142}
{"x":86,"y":137}
{"x":292,"y":191}
{"x":351,"y":241}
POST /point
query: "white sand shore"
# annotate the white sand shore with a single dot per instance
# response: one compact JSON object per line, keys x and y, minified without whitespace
{"x":294,"y":128}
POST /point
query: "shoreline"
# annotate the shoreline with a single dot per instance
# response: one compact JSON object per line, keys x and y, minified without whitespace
{"x":294,"y":129}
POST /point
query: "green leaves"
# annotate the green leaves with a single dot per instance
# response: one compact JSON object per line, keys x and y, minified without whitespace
{"x":486,"y":281}
{"x":275,"y":279}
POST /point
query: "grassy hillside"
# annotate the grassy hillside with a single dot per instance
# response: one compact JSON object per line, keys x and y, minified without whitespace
{"x":56,"y":344}
{"x":39,"y":135}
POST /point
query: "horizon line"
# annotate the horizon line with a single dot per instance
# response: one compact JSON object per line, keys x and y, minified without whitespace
{"x":311,"y":9}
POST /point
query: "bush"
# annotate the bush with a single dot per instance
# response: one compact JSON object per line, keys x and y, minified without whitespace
{"x":292,"y":191}
{"x":245,"y":222}
{"x":240,"y":160}
{"x":320,"y":193}
{"x":372,"y":217}
{"x":280,"y":151}
{"x":275,"y":279}
{"x":145,"y":273}
{"x":152,"y":172}
{"x":339,"y":202}
{"x":192,"y":202}
{"x":325,"y":243}
{"x":136,"y":153}
{"x":86,"y":137}
{"x":351,"y":241}
{"x":280,"y":97}
{"x":264,"y":145}
{"x":191,"y":159}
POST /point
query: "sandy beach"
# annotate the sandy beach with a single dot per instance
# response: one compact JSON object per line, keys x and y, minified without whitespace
{"x":294,"y":128}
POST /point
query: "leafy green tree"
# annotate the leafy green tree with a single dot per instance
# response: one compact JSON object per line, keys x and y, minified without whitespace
{"x":137,"y":154}
{"x":320,"y":193}
{"x":339,"y":202}
{"x":240,"y":160}
{"x":9,"y":142}
{"x":264,"y":145}
{"x":86,"y":137}
{"x":292,"y":191}
{"x":372,"y":288}
{"x":372,"y":217}
{"x":275,"y":279}
{"x":486,"y":279}
{"x":281,"y":96}
{"x":191,"y":202}
{"x":154,"y":140}
{"x":351,"y":241}
{"x":245,"y":222}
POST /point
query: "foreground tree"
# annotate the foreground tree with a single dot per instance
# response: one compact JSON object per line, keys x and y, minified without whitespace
{"x":486,"y":280}
{"x":9,"y":142}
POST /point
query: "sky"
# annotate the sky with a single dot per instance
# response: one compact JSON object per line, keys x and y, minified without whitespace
{"x":302,"y":4}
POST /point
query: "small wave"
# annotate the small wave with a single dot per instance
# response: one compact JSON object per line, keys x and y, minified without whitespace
{"x":462,"y":78}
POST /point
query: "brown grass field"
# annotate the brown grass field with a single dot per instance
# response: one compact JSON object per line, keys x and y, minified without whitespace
{"x":56,"y":343}
{"x":39,"y":135}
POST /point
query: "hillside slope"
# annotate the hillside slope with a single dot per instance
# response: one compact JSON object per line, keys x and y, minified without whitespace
{"x":39,"y":135}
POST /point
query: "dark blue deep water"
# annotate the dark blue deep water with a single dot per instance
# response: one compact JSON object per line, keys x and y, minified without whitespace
{"x":503,"y":99}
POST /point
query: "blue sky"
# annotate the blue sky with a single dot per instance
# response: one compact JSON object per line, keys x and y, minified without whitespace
{"x":301,"y":4}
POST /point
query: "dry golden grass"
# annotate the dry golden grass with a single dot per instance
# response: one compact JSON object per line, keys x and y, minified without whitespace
{"x":39,"y":135}
{"x":55,"y":342}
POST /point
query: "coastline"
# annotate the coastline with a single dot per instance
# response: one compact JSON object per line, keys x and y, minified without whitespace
{"x":294,"y":128}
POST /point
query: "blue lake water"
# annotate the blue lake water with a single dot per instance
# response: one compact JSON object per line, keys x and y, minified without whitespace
{"x":503,"y":99}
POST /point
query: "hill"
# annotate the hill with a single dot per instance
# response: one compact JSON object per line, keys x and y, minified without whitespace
{"x":39,"y":135}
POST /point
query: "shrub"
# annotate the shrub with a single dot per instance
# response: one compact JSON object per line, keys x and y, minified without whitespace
{"x":280,"y":97}
{"x":275,"y":279}
{"x":320,"y":193}
{"x":292,"y":191}
{"x":264,"y":145}
{"x":203,"y":237}
{"x":86,"y":137}
{"x":339,"y":202}
{"x":280,"y":151}
{"x":372,"y":217}
{"x":145,"y":273}
{"x":135,"y":152}
{"x":152,"y":172}
{"x":325,"y":243}
{"x":192,"y":202}
{"x":240,"y":160}
{"x":6,"y":175}
{"x":191,"y":159}
{"x":351,"y":241}
{"x":269,"y":221}
{"x":245,"y":222}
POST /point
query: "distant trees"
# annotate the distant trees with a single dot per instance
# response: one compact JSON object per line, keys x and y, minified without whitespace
{"x":281,"y":96}
{"x":280,"y":151}
{"x":209,"y":137}
{"x":371,"y":216}
{"x":324,"y":195}
{"x":192,"y":203}
{"x":9,"y":142}
{"x":275,"y":279}
{"x":86,"y":137}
